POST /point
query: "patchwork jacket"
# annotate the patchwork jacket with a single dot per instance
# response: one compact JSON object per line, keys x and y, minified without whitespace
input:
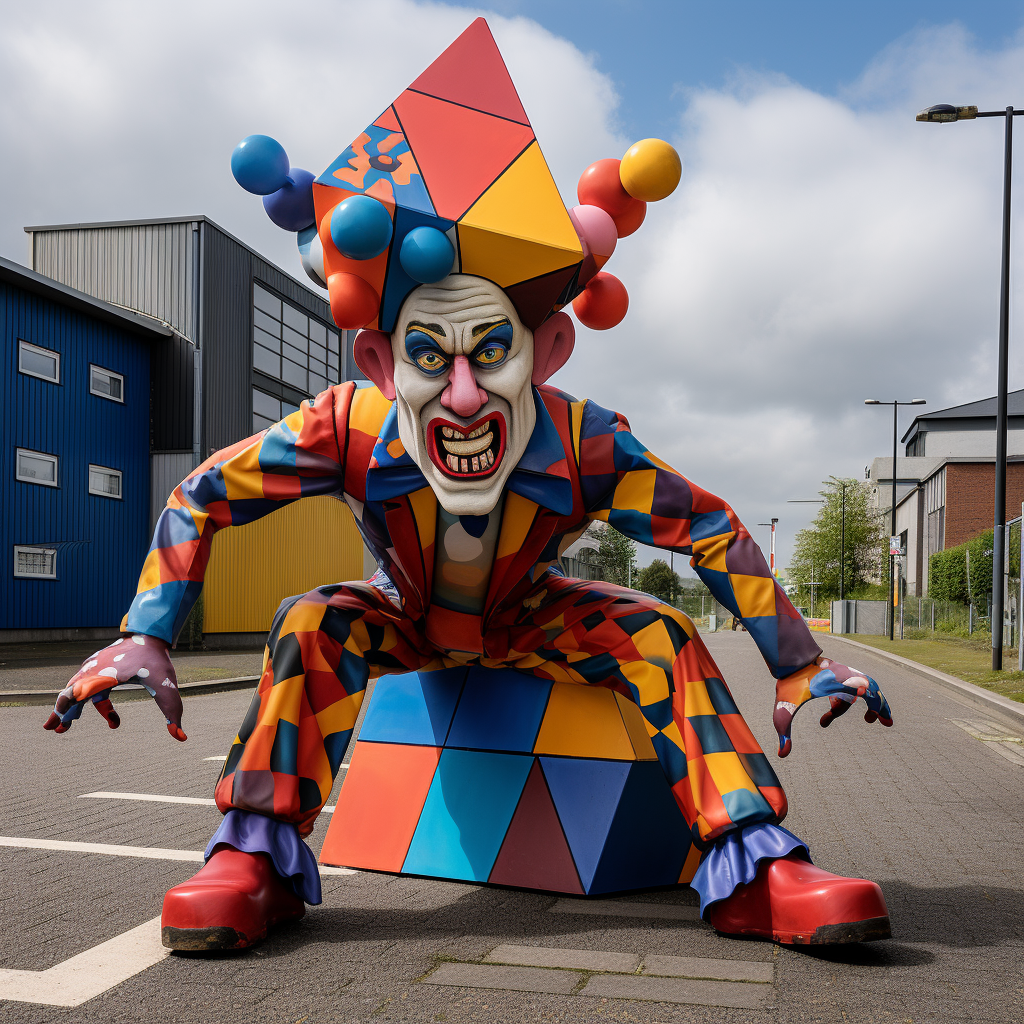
{"x":582,"y":464}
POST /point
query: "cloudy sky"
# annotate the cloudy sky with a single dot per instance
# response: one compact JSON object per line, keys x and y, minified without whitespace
{"x":823,"y":247}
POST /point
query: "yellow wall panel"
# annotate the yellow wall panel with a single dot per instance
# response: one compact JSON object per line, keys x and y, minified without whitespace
{"x":310,"y":543}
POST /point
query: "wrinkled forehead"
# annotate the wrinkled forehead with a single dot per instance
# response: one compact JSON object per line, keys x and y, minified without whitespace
{"x":459,"y":299}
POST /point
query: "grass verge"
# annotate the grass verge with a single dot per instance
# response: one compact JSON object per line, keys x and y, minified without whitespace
{"x":969,"y":660}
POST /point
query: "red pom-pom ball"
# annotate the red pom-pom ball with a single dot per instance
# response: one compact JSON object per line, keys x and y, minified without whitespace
{"x":600,"y":185}
{"x":626,"y":223}
{"x":354,"y":303}
{"x":603,"y":303}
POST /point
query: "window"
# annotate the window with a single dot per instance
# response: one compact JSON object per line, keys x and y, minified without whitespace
{"x":268,"y":410}
{"x":36,"y":468}
{"x":40,"y":563}
{"x":292,"y":346}
{"x":38,"y":362}
{"x":104,"y":481}
{"x":106,"y":383}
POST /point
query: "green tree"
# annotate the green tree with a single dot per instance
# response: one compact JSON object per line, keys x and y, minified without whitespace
{"x":658,"y":580}
{"x":818,"y":555}
{"x":617,"y":555}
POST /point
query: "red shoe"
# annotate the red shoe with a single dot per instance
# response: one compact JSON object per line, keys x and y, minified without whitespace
{"x":791,"y":901}
{"x":229,"y":904}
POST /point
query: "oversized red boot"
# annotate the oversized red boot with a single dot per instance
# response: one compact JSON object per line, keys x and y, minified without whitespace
{"x":229,"y":904}
{"x":791,"y":901}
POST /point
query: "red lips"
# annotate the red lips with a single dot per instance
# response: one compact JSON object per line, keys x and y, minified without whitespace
{"x":467,"y":452}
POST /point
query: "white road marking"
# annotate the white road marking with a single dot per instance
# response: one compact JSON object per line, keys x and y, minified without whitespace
{"x":160,"y":799}
{"x":995,"y":738}
{"x":219,"y":757}
{"x":146,"y":852}
{"x":89,"y":974}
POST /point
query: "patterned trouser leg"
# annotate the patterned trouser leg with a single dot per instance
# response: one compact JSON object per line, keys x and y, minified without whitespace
{"x":322,"y":649}
{"x":597,"y":633}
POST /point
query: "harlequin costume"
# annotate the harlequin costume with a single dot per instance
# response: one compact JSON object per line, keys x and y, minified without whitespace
{"x":460,"y":584}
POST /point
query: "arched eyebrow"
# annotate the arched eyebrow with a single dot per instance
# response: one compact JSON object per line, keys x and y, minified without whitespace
{"x":416,"y":325}
{"x":490,"y":325}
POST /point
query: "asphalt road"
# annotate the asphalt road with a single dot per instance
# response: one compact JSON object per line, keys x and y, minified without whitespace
{"x":927,"y":809}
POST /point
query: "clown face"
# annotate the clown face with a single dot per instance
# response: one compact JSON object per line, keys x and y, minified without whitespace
{"x":463,"y":363}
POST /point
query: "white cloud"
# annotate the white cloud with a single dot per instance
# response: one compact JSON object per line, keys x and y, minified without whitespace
{"x":820,"y":249}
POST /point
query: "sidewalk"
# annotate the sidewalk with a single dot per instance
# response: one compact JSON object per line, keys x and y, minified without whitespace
{"x":48,"y":667}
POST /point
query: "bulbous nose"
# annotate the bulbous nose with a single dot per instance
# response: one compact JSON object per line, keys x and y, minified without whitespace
{"x":463,"y":396}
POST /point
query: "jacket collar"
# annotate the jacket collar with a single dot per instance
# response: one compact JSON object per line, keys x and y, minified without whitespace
{"x":542,"y":474}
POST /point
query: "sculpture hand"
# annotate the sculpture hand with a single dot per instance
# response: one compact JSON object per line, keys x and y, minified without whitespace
{"x":132,"y":659}
{"x":825,"y":678}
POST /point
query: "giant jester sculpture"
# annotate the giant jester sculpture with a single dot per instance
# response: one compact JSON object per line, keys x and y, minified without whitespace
{"x":441,"y":233}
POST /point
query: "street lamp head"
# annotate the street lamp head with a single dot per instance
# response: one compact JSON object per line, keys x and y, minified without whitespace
{"x":943,"y":112}
{"x":871,"y":401}
{"x":919,"y":401}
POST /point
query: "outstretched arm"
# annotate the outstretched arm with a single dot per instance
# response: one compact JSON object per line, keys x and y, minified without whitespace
{"x":644,"y":498}
{"x":300,"y":456}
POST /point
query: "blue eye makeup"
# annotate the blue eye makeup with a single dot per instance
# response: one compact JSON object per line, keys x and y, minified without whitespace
{"x":425,"y":352}
{"x":492,"y":349}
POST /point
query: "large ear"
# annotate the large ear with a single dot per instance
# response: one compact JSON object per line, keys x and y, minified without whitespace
{"x":374,"y":357}
{"x":553,"y":342}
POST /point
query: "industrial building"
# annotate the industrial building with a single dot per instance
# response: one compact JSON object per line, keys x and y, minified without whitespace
{"x":243,"y":343}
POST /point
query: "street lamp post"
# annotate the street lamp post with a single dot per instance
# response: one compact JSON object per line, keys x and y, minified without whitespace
{"x":771,"y":545}
{"x":940,"y":114}
{"x":892,"y":532}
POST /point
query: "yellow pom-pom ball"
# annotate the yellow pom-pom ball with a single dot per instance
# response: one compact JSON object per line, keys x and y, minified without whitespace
{"x":650,"y":170}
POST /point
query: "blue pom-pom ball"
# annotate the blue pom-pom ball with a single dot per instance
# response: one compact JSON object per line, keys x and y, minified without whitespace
{"x":260,"y":164}
{"x":291,"y":207}
{"x":427,"y":255}
{"x":360,"y":227}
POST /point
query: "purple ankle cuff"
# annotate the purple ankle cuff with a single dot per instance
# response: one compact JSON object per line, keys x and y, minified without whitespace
{"x":279,"y":840}
{"x":735,"y":857}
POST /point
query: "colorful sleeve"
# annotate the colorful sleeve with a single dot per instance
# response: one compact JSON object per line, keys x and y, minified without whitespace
{"x":296,"y":458}
{"x":627,"y":487}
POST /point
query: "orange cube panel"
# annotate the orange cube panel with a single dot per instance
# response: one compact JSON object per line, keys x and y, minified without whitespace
{"x":583,"y":721}
{"x":379,"y":805}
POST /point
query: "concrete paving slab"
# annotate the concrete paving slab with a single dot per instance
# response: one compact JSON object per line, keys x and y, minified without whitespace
{"x":706,"y":967}
{"x":515,"y":979}
{"x":679,"y":990}
{"x":570,"y":959}
{"x":626,"y":908}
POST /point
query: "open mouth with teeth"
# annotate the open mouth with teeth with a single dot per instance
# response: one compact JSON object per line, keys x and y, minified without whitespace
{"x":465,"y":452}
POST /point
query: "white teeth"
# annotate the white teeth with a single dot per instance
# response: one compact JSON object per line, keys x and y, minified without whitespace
{"x":453,"y":463}
{"x":489,"y":455}
{"x":471,"y":446}
{"x":465,"y":466}
{"x":476,"y":464}
{"x":448,"y":431}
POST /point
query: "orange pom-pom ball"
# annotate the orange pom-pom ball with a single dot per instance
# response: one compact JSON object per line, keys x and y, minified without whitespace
{"x":603,"y":303}
{"x":650,"y":170}
{"x":354,"y":303}
{"x":626,"y":223}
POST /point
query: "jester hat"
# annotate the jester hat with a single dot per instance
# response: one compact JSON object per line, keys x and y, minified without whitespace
{"x":451,"y":179}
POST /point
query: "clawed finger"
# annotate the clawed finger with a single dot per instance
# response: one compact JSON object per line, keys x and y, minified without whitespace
{"x":104,"y":706}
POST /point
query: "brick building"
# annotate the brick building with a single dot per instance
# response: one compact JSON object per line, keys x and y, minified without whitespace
{"x":945,"y":484}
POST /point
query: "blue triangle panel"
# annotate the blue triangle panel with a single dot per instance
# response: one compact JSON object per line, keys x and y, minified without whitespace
{"x":586,"y":794}
{"x":398,"y":283}
{"x":381,"y":157}
{"x":416,"y":707}
{"x":648,"y":840}
{"x":466,"y":814}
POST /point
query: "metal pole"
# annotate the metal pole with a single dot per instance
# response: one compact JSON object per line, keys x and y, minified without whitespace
{"x":1020,"y":598}
{"x":899,"y":585}
{"x":842,"y":557}
{"x":892,"y":532}
{"x":1004,"y":326}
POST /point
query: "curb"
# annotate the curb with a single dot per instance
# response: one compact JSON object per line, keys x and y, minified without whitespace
{"x":45,"y":697}
{"x":978,"y":694}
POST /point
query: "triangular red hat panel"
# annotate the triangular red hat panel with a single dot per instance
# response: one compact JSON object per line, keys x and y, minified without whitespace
{"x":471,"y":72}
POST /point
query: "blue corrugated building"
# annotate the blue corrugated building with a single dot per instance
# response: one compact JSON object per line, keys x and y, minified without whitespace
{"x":74,"y":455}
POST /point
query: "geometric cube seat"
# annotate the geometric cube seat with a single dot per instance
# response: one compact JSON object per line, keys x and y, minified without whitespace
{"x":497,"y":776}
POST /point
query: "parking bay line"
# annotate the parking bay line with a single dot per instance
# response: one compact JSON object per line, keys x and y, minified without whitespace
{"x":160,"y":799}
{"x":89,"y":974}
{"x":145,"y":852}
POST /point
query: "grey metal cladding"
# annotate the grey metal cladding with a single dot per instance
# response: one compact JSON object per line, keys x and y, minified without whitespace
{"x":171,"y":398}
{"x":147,"y":267}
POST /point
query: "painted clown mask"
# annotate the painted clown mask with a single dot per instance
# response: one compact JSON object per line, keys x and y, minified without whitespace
{"x":460,"y":365}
